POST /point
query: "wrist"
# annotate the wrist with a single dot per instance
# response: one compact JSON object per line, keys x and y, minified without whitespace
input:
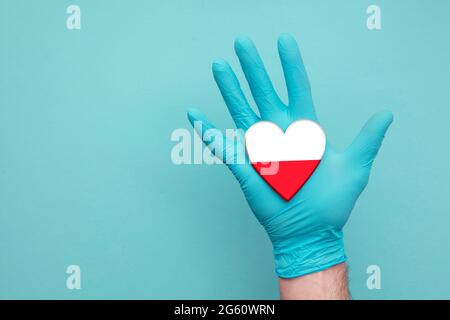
{"x":308,"y":254}
{"x":328,"y":284}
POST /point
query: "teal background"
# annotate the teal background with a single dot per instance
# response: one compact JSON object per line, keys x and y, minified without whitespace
{"x":85,"y":123}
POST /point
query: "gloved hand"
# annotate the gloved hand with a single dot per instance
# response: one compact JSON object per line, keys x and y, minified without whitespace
{"x":306,"y":232}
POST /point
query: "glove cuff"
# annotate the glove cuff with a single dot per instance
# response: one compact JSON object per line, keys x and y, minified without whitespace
{"x":310,"y":256}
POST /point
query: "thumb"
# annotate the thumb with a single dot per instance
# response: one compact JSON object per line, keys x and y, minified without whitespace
{"x":229,"y":153}
{"x":366,"y":145}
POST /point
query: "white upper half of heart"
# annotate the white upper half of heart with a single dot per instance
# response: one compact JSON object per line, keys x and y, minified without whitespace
{"x":303,"y":140}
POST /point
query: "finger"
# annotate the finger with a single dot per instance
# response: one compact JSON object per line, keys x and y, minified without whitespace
{"x":366,"y":145}
{"x":256,"y":75}
{"x":202,"y":126}
{"x":229,"y":86}
{"x":297,"y":82}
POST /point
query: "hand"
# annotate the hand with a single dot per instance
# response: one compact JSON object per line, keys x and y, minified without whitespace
{"x":306,"y":232}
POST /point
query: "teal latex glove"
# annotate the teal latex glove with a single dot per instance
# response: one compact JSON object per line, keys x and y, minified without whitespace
{"x":306,"y":232}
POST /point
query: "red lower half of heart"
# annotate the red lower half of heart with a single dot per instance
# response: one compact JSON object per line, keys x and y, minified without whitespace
{"x":286,"y":177}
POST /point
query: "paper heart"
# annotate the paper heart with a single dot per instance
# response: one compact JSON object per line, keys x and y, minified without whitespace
{"x":285,"y":160}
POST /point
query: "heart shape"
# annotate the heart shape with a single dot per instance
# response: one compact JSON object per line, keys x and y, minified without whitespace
{"x":285,"y":160}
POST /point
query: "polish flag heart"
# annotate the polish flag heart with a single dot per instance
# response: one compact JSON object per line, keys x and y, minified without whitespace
{"x":285,"y":160}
